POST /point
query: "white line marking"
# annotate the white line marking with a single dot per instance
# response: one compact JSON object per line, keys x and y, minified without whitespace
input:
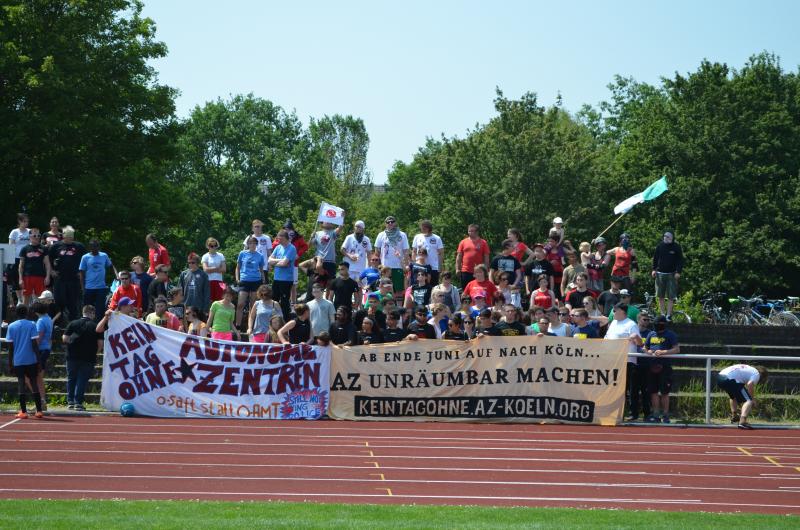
{"x":12,"y":422}
{"x":337,"y":479}
{"x":396,"y":457}
{"x":771,"y":476}
{"x":370,"y":495}
{"x":360,"y":437}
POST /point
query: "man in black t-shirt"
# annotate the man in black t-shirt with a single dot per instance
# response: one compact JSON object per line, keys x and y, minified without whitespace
{"x":538,"y":266}
{"x":65,"y":259}
{"x":393,"y":331}
{"x":508,"y":327}
{"x":420,"y":326}
{"x":371,"y":310}
{"x":505,"y":262}
{"x":34,"y":268}
{"x":342,"y":331}
{"x":343,"y":289}
{"x":610,"y":298}
{"x":83,"y":343}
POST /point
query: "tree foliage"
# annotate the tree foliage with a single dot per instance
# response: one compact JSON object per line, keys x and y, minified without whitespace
{"x":87,"y":129}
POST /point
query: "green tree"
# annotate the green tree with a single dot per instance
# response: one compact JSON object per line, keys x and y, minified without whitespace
{"x":87,"y":130}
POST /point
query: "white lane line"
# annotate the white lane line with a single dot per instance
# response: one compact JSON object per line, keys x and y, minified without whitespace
{"x":12,"y":422}
{"x":359,"y":480}
{"x":770,"y":476}
{"x":467,"y":440}
{"x":396,"y":457}
{"x":227,"y":443}
{"x":367,"y":495}
{"x":369,"y":427}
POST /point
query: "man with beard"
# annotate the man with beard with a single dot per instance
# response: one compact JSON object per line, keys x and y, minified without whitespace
{"x":392,"y":244}
{"x":356,"y":248}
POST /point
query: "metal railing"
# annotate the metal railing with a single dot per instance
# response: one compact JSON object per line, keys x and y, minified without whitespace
{"x":709,"y":359}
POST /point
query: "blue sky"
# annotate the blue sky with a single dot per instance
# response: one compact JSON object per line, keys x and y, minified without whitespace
{"x":417,"y":69}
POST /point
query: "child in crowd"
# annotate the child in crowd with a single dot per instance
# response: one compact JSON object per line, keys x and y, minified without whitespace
{"x":194,"y":322}
{"x":558,"y":230}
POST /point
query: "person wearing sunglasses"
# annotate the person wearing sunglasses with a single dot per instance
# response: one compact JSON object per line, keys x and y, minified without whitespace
{"x":34,"y":268}
{"x":127,"y":289}
{"x":559,"y":319}
{"x":195,"y":285}
{"x":214,"y":266}
{"x":249,"y":276}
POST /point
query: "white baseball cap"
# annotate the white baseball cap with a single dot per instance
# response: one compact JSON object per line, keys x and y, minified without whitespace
{"x":558,"y":221}
{"x":46,"y":295}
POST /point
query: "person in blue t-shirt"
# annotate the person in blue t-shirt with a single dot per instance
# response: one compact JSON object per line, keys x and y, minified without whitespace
{"x":582,"y":327}
{"x":250,"y":267}
{"x":661,"y":341}
{"x":23,"y":359}
{"x":282,"y":260}
{"x":44,"y":328}
{"x":93,"y":269}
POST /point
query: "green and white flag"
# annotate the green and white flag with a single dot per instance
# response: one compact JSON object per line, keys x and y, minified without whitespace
{"x":653,"y":190}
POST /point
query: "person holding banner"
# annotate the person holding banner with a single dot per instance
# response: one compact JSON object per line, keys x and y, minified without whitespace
{"x":221,"y":316}
{"x":622,"y":327}
{"x":297,"y":330}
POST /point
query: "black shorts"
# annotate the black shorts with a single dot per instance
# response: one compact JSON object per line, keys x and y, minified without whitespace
{"x":249,"y":287}
{"x":12,"y":274}
{"x":43,"y":356}
{"x":659,"y":379}
{"x":735,"y":389}
{"x":31,"y":371}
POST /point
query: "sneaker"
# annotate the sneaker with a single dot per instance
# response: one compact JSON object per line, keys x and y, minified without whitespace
{"x":632,"y":418}
{"x":38,"y":415}
{"x":79,"y":407}
{"x":746,"y":426}
{"x":665,"y":419}
{"x":669,"y":318}
{"x":22,"y":415}
{"x":71,"y":406}
{"x":652,"y":418}
{"x":735,"y":418}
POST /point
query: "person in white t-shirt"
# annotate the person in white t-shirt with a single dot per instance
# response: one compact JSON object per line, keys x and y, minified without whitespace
{"x":622,"y":327}
{"x":392,"y":244}
{"x":214,"y":265}
{"x":355,"y":248}
{"x":433,"y":245}
{"x":19,"y":238}
{"x":264,"y":246}
{"x":739,"y":381}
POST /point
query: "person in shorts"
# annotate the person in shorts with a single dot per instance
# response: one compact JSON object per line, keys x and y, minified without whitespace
{"x":34,"y":268}
{"x":23,"y":359}
{"x":740,"y":381}
{"x":392,"y":245}
{"x":660,"y":341}
{"x":667,"y":268}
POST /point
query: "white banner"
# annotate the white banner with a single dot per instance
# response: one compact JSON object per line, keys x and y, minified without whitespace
{"x":329,"y":213}
{"x":170,"y":374}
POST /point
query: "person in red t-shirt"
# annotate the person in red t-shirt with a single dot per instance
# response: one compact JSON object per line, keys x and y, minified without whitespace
{"x":157,"y":254}
{"x":471,"y":251}
{"x":129,"y":290}
{"x":481,"y":282}
{"x":521,"y":251}
{"x":624,"y":261}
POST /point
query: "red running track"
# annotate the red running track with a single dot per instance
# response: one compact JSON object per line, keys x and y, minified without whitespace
{"x":691,"y":469}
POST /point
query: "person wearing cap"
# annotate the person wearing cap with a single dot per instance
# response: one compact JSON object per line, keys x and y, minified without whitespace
{"x":127,"y":289}
{"x":659,"y":342}
{"x":433,"y":246}
{"x":740,"y":381}
{"x":372,"y":309}
{"x":51,"y":308}
{"x":44,"y":327}
{"x":392,"y":245}
{"x":420,"y":327}
{"x":356,"y":249}
{"x":624,"y":257}
{"x":598,"y":261}
{"x":608,"y":299}
{"x":65,"y":259}
{"x":558,"y":229}
{"x":667,"y":267}
{"x":622,"y":327}
{"x":625,"y":298}
{"x":471,"y":252}
{"x":480,"y":302}
{"x":125,"y":306}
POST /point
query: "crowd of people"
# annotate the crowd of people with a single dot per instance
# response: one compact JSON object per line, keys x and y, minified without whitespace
{"x":358,"y":292}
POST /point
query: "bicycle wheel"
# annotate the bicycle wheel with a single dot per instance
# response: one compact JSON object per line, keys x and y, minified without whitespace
{"x":739,"y":318}
{"x":679,"y":317}
{"x":784,"y":318}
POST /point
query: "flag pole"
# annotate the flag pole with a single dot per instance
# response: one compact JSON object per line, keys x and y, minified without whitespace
{"x":612,"y":224}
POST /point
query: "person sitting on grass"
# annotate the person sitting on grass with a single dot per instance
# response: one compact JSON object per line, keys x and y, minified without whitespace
{"x":739,"y":381}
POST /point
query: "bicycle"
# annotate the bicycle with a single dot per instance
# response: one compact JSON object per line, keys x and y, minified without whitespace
{"x":651,"y":306}
{"x":756,"y":311}
{"x":713,"y":313}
